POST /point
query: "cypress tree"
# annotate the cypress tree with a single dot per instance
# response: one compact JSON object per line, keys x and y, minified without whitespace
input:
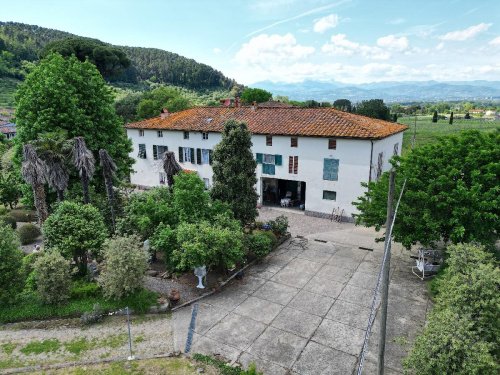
{"x":451,"y":118}
{"x":435,"y":117}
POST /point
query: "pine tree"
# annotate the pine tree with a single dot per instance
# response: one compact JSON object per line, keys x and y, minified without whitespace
{"x":435,"y":117}
{"x":451,"y":118}
{"x":234,"y":172}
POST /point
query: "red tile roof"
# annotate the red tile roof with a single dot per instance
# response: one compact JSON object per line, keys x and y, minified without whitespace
{"x":314,"y":122}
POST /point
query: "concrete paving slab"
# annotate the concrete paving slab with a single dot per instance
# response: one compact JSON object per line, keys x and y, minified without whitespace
{"x":263,"y":366}
{"x":363,"y":280}
{"x":371,"y":367}
{"x":340,"y":337}
{"x":237,"y":331}
{"x":296,"y":322}
{"x":249,"y":283}
{"x":344,"y":262}
{"x":350,"y":314}
{"x":335,"y":273}
{"x":292,"y":277}
{"x":207,"y":317}
{"x":228,"y":299}
{"x":395,"y":352}
{"x":328,"y":247}
{"x":259,"y":309}
{"x":406,"y":308}
{"x":318,"y":359}
{"x":315,"y":256}
{"x":278,"y":346}
{"x":352,"y":253}
{"x":311,"y":303}
{"x":356,"y":295}
{"x":261,"y":273}
{"x":276,"y":292}
{"x":325,"y":287}
{"x":205,"y":345}
{"x":408,"y":290}
{"x":369,"y":267}
{"x":303,"y":265}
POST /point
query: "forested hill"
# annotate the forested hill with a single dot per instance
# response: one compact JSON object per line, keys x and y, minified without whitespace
{"x":26,"y":43}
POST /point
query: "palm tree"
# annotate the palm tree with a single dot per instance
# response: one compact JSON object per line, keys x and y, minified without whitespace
{"x":108,"y":171}
{"x":33,"y":172}
{"x":85,"y":164}
{"x":52,"y":148}
{"x":171,"y":167}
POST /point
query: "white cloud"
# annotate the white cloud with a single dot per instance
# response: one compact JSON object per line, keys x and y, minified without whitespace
{"x":397,"y":21}
{"x":440,"y":46}
{"x":393,"y":42}
{"x":216,"y":50}
{"x":495,"y":42}
{"x":468,"y":33}
{"x":273,"y":49}
{"x":339,"y":45}
{"x":326,"y":23}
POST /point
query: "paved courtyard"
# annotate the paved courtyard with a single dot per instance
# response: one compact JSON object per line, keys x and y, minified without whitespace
{"x":304,"y":309}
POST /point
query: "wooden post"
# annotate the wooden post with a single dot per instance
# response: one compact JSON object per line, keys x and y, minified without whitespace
{"x":385,"y":276}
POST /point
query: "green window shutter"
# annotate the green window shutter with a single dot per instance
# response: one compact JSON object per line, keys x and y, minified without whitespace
{"x":192,"y":156}
{"x":155,"y":152}
{"x":268,"y":169}
{"x":278,"y":160}
{"x":271,"y":169}
{"x":331,"y":169}
{"x":258,"y":158}
{"x":198,"y":155}
{"x":181,"y":155}
{"x":210,"y":156}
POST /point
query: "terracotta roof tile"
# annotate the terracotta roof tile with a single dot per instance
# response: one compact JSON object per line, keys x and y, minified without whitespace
{"x":314,"y":122}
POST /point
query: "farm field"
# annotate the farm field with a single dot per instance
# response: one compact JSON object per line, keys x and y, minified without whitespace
{"x":7,"y":90}
{"x":427,"y":131}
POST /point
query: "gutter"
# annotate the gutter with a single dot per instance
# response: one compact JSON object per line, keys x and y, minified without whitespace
{"x":371,"y":159}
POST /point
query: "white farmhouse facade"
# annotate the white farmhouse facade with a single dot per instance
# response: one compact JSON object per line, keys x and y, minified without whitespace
{"x":313,"y":159}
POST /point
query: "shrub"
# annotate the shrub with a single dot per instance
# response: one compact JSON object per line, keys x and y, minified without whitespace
{"x":190,"y":199}
{"x":11,"y":280}
{"x":23,"y":216}
{"x":93,"y":316}
{"x":259,"y":244}
{"x":28,"y":233}
{"x":271,"y":236}
{"x":84,"y":289}
{"x":8,"y":220}
{"x":279,"y":225}
{"x":53,"y":278}
{"x":164,"y":239}
{"x":75,"y":229}
{"x":28,"y":270}
{"x":125,"y":262}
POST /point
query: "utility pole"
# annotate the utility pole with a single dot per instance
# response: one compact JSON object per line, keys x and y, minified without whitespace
{"x":385,"y":276}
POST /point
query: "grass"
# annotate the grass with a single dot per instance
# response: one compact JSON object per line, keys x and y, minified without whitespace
{"x":38,"y":347}
{"x":78,"y":346}
{"x":28,"y":307}
{"x":223,"y":366}
{"x":8,"y":348}
{"x":428,"y":132}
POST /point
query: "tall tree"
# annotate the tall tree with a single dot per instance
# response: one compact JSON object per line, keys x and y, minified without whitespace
{"x":451,"y":118}
{"x":343,"y":104}
{"x":374,"y":108}
{"x":33,"y":172}
{"x":171,"y":167}
{"x":251,"y":95}
{"x":108,"y":171}
{"x":234,"y":171}
{"x":435,"y":117}
{"x":85,"y":164}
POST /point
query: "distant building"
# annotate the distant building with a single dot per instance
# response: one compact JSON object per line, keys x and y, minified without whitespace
{"x":8,"y":129}
{"x":309,"y":158}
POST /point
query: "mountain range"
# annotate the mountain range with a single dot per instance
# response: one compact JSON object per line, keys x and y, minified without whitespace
{"x":401,"y":92}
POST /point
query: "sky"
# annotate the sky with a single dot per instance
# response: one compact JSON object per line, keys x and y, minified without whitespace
{"x":351,"y":41}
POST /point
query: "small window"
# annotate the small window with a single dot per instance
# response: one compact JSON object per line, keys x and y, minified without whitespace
{"x":186,"y":135}
{"x":294,"y":142}
{"x":332,"y":144}
{"x":207,"y":183}
{"x":269,"y":140}
{"x":204,"y":135}
{"x":293,"y":164}
{"x":330,"y":195}
{"x":142,"y":151}
{"x":158,"y":151}
{"x":160,"y":133}
{"x":268,"y":169}
{"x":331,"y":169}
{"x":396,"y":149}
{"x":141,"y":133}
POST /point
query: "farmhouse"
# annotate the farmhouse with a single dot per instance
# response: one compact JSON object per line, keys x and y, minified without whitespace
{"x":8,"y":129}
{"x":313,"y":159}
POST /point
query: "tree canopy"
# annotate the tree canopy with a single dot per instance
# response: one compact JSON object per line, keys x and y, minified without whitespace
{"x":374,"y":108}
{"x":343,"y":104}
{"x":451,"y":193}
{"x":251,"y":95}
{"x":70,"y":95}
{"x":154,"y":101}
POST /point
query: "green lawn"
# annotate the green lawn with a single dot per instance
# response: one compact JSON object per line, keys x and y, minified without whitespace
{"x":427,"y":131}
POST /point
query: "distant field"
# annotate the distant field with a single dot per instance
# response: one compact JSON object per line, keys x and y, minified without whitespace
{"x":7,"y":89}
{"x":428,"y":131}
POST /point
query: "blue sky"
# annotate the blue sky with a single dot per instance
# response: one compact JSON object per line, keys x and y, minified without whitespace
{"x":294,"y":40}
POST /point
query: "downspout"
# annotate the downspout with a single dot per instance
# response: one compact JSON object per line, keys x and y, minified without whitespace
{"x":371,"y":159}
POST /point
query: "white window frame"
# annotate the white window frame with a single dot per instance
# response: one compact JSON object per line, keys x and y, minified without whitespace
{"x":205,"y":156}
{"x":268,"y":159}
{"x":186,"y":152}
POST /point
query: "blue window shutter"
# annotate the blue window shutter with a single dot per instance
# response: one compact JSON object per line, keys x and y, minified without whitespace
{"x":258,"y":158}
{"x":335,"y":169}
{"x":278,"y":160}
{"x":331,"y":169}
{"x":271,"y":168}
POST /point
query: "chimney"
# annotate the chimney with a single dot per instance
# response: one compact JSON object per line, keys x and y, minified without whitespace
{"x":164,"y":113}
{"x":254,"y":106}
{"x":237,"y":101}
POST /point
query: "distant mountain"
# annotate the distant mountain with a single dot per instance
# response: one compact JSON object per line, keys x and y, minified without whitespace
{"x":407,"y":91}
{"x":25,"y":43}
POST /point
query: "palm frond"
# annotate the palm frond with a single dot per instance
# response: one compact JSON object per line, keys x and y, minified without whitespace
{"x":83,"y":159}
{"x":33,"y":168}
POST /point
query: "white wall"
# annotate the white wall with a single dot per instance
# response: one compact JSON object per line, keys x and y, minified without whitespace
{"x":353,"y":155}
{"x":386,"y":146}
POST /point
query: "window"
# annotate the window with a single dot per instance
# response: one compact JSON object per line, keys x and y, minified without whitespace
{"x":163,"y":178}
{"x":186,"y":155}
{"x":203,"y":156}
{"x":332,"y":144}
{"x":141,"y":133}
{"x":293,"y":164}
{"x":269,"y":140}
{"x":396,"y":149}
{"x":186,"y":135}
{"x":142,"y":151}
{"x":268,"y":159}
{"x":329,"y":195}
{"x":331,"y":169}
{"x":160,"y":133}
{"x":158,"y":151}
{"x":268,"y":168}
{"x":380,"y":163}
{"x":204,"y":135}
{"x":207,"y":183}
{"x":294,"y":141}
